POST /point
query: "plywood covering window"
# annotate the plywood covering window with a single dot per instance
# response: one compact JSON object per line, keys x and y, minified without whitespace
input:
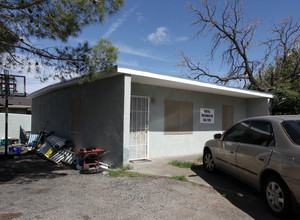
{"x":227,"y":116}
{"x":42,"y":113}
{"x":178,"y":117}
{"x":75,"y":115}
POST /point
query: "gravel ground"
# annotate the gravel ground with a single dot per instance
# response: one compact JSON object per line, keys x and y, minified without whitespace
{"x":49,"y":191}
{"x":98,"y":196}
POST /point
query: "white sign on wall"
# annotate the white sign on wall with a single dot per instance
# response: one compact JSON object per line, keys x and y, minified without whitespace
{"x":207,"y":116}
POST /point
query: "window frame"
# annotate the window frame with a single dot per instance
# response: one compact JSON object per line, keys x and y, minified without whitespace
{"x":234,"y":126}
{"x":42,"y":118}
{"x":287,"y":132}
{"x":75,"y":115}
{"x":178,"y":117}
{"x":271,"y":134}
{"x":247,"y":133}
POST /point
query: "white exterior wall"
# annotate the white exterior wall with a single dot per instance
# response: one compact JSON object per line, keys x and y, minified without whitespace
{"x":15,"y":122}
{"x":126,"y":122}
{"x":258,"y":107}
{"x":162,"y":145}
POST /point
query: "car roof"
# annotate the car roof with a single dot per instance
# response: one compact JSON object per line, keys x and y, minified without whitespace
{"x":276,"y":118}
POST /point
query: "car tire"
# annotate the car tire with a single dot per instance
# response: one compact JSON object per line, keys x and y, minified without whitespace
{"x":277,"y":196}
{"x":208,"y":161}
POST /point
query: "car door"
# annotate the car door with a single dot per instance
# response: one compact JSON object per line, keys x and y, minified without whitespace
{"x":254,"y":151}
{"x":229,"y":146}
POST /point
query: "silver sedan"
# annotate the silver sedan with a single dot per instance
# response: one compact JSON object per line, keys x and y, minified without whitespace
{"x":264,"y":152}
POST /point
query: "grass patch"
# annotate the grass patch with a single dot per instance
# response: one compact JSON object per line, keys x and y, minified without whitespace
{"x":186,"y":164}
{"x":124,"y":171}
{"x":199,"y":159}
{"x":135,"y":174}
{"x":181,"y":178}
{"x":181,"y":164}
{"x":231,"y":196}
{"x":128,"y":167}
{"x":115,"y":172}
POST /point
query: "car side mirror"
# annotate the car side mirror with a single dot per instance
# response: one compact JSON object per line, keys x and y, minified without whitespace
{"x":217,"y":136}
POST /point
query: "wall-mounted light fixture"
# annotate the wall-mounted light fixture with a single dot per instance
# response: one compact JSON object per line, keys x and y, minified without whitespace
{"x":153,"y":100}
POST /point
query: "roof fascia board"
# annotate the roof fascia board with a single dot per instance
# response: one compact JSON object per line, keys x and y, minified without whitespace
{"x":172,"y":81}
{"x":50,"y":88}
{"x":178,"y":80}
{"x":75,"y":81}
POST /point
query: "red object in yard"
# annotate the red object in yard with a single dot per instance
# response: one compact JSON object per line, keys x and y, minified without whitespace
{"x":90,"y":156}
{"x":14,"y":140}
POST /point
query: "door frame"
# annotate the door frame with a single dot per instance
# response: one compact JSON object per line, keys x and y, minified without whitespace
{"x":227,"y":116}
{"x":147,"y":129}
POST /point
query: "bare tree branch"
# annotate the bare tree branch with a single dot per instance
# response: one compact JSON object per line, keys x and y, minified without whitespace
{"x":197,"y":71}
{"x":228,"y":28}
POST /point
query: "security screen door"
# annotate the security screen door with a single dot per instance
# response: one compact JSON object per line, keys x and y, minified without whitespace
{"x":139,"y":122}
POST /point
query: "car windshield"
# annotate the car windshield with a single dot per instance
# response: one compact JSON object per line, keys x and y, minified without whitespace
{"x":292,"y":128}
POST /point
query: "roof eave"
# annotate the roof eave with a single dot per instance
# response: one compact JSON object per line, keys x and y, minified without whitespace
{"x":72,"y":82}
{"x":164,"y":81}
{"x":192,"y":85}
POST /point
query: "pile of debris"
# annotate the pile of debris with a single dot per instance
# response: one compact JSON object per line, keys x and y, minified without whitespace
{"x":58,"y":149}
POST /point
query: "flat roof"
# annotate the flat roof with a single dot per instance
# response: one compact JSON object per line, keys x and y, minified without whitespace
{"x":155,"y":79}
{"x":188,"y":84}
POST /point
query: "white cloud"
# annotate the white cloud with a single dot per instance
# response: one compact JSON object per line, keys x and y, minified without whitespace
{"x":140,"y":16}
{"x":180,"y":39}
{"x":160,"y":36}
{"x":32,"y":82}
{"x":34,"y":85}
{"x":137,"y":52}
{"x":118,"y":23}
{"x":82,"y":41}
{"x":130,"y":63}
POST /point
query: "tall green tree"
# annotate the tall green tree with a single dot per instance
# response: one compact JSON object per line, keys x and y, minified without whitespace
{"x":24,"y":23}
{"x":286,"y":75}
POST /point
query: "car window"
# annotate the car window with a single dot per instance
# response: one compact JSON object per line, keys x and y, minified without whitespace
{"x":292,"y":128}
{"x":260,"y":133}
{"x":236,"y":133}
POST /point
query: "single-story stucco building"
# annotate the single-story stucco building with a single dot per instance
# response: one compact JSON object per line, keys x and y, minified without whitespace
{"x":141,"y":115}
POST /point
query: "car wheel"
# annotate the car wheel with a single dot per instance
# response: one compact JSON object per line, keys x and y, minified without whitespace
{"x":277,"y":195}
{"x":208,"y":162}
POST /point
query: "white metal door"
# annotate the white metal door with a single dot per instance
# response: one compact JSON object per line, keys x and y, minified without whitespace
{"x":139,"y":122}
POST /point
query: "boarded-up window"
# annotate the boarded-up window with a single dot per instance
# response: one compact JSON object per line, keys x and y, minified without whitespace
{"x":178,"y":117}
{"x":227,"y":116}
{"x":42,"y":113}
{"x":75,"y":115}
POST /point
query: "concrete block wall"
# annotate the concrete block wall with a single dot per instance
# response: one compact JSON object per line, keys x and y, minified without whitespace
{"x":101,"y":115}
